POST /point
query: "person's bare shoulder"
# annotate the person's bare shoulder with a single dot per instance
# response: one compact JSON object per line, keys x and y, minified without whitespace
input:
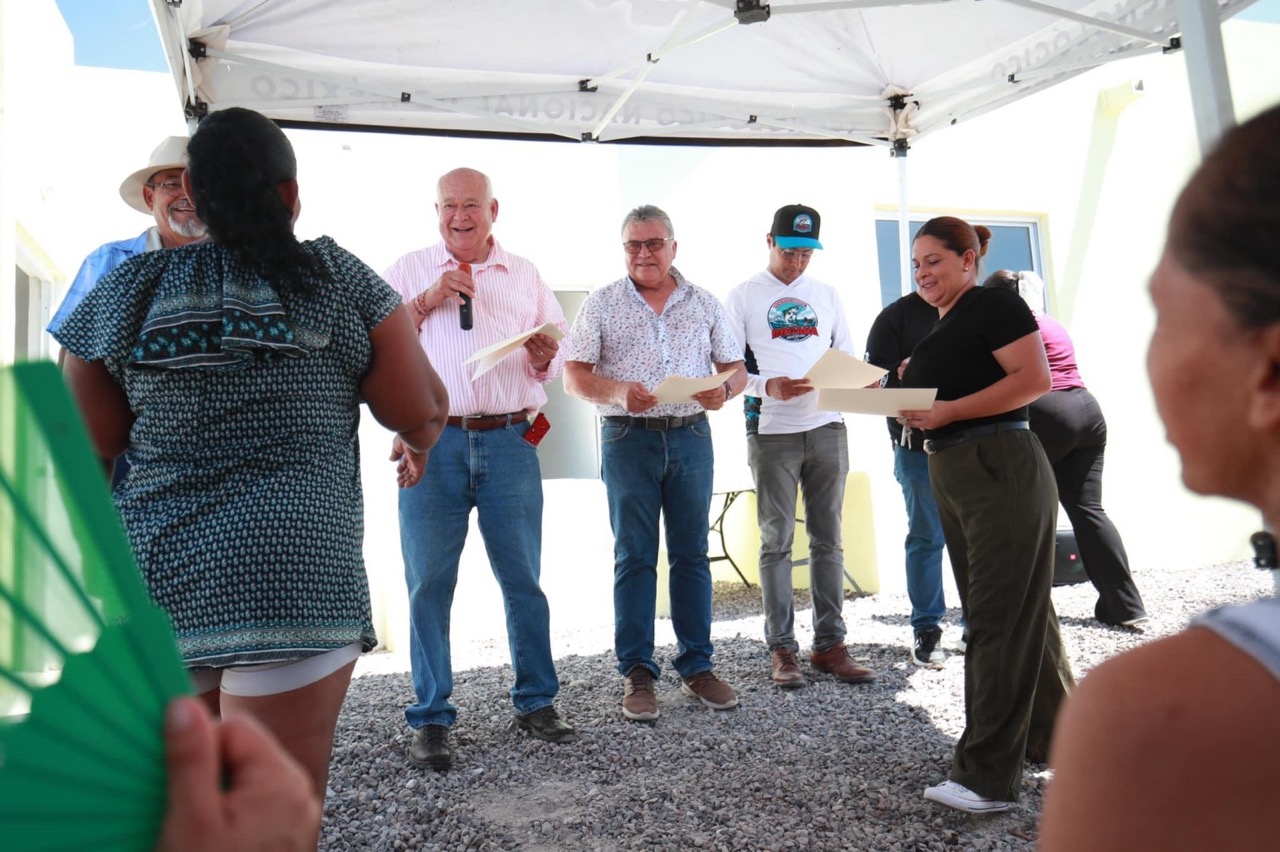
{"x":1171,"y":746}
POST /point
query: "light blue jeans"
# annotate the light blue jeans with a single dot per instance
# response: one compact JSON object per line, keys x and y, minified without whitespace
{"x":497,"y":473}
{"x":646,"y":474}
{"x":817,"y":461}
{"x":924,"y":539}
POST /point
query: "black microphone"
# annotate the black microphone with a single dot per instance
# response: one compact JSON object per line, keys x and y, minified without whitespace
{"x":1264,"y":549}
{"x":464,"y":312}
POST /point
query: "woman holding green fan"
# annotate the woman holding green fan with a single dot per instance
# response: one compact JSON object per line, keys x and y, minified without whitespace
{"x":233,"y":372}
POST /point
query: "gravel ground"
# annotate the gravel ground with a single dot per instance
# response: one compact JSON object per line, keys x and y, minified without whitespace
{"x":829,"y":767}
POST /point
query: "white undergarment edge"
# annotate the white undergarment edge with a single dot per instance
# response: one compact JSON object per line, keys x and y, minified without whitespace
{"x":273,"y":678}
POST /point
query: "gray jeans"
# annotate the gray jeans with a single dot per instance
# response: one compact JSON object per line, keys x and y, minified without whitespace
{"x":818,"y":462}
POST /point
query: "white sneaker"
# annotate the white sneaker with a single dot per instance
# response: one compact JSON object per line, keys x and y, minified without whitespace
{"x":961,"y":798}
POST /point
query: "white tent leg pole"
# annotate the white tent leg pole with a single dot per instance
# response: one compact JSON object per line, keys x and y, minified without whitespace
{"x":1210,"y":92}
{"x":1206,"y":70}
{"x":904,"y":225}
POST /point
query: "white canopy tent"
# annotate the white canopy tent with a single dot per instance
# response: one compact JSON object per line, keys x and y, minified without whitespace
{"x":685,"y":71}
{"x":720,"y":72}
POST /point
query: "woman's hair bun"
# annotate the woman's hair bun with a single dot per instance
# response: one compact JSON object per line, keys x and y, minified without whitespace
{"x":984,"y":238}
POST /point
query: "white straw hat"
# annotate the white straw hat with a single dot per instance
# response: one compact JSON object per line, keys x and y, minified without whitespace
{"x":169,"y":154}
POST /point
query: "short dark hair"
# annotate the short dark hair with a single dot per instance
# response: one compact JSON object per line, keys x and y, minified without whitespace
{"x":1224,"y":224}
{"x":1002,"y":279}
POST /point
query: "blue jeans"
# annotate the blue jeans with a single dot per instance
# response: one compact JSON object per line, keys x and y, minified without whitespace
{"x":497,"y":473}
{"x":646,"y":473}
{"x":924,"y":539}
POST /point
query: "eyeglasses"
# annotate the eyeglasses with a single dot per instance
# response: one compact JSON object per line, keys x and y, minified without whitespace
{"x":797,"y":254}
{"x":167,"y":186}
{"x":654,"y":246}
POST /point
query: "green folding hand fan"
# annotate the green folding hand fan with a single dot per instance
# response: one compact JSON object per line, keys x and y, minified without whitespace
{"x":87,"y":662}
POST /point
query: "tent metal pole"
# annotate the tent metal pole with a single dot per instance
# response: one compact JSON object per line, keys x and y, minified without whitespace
{"x":1090,"y":21}
{"x":904,"y":217}
{"x":1206,"y":70}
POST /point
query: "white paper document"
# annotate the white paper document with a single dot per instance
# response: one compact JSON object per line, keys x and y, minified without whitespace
{"x":886,"y":401}
{"x":836,"y":369}
{"x":682,"y":388}
{"x":489,"y":356}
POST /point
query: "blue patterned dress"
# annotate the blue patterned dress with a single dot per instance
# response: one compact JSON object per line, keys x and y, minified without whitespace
{"x":244,"y":506}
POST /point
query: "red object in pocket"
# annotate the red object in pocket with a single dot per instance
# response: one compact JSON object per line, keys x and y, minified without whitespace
{"x":538,"y":429}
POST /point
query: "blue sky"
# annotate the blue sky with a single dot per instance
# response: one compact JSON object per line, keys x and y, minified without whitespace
{"x":122,"y":33}
{"x":114,"y":33}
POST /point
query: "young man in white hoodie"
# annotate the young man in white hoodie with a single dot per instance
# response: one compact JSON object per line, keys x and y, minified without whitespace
{"x":787,"y":320}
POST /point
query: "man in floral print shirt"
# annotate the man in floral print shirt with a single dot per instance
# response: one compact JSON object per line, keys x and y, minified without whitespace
{"x":657,"y":457}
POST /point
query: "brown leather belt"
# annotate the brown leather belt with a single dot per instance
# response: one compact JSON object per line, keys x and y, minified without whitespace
{"x":485,"y":422}
{"x":658,"y":424}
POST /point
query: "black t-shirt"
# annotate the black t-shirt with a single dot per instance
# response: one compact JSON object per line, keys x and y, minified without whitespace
{"x":956,"y":357}
{"x":893,"y":337}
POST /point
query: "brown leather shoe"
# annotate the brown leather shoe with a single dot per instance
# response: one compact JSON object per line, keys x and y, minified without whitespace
{"x":786,"y":669}
{"x":639,"y":700}
{"x":836,"y":660}
{"x":710,"y":690}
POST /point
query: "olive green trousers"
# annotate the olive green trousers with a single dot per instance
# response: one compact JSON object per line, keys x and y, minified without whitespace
{"x":998,"y":505}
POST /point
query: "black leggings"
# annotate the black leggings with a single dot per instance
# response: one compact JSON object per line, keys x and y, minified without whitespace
{"x":1073,"y":431}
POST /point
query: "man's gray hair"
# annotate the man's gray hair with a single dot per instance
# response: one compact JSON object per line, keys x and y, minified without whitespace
{"x":650,"y":213}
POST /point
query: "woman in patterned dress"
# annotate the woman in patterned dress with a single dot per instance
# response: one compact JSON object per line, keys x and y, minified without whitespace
{"x":232,"y":373}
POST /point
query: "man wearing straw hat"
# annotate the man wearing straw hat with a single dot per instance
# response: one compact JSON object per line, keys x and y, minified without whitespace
{"x":155,"y":189}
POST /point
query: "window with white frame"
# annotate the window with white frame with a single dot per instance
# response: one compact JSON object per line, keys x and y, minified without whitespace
{"x":1015,"y":244}
{"x":35,"y":279}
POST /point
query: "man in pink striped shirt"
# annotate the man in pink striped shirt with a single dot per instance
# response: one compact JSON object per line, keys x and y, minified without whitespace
{"x":467,"y":293}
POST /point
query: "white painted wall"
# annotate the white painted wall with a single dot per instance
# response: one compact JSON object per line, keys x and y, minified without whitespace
{"x":32,"y":72}
{"x":561,"y":205}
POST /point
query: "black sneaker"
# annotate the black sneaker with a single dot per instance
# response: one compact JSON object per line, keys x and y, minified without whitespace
{"x":926,"y":651}
{"x":430,"y":748}
{"x":545,"y":724}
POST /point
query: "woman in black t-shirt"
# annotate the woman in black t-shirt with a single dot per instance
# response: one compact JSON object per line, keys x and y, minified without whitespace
{"x":998,"y":504}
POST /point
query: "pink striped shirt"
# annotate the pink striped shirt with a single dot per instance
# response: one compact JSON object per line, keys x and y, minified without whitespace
{"x":511,"y":297}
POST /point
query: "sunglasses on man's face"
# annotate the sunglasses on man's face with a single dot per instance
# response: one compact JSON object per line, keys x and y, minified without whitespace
{"x":654,"y":246}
